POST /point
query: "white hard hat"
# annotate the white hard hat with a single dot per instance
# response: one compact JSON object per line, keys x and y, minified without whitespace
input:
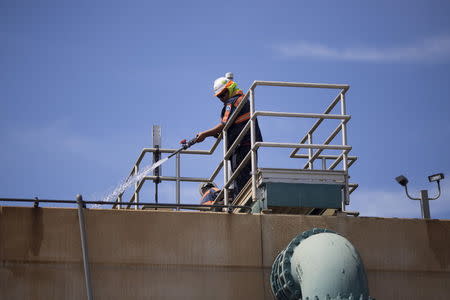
{"x":219,"y":85}
{"x":206,"y":185}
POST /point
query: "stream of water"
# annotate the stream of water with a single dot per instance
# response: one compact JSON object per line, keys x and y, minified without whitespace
{"x":132,"y":180}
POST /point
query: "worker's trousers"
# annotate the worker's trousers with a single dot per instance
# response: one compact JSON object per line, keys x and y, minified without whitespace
{"x":245,"y":174}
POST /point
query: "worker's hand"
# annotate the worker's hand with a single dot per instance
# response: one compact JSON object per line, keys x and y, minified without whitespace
{"x":201,"y":136}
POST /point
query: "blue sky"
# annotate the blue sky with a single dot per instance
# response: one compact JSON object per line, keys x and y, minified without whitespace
{"x":83,"y":82}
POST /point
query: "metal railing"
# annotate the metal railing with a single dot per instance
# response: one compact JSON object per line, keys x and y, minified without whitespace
{"x":305,"y":143}
{"x":314,"y":150}
{"x":36,"y":203}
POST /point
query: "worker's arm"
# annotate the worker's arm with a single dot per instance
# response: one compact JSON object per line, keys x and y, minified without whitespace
{"x":211,"y":132}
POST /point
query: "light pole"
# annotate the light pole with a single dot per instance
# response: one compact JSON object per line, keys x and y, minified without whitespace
{"x":424,"y":200}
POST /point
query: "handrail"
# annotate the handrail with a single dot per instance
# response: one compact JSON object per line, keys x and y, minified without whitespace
{"x":238,"y":169}
{"x":238,"y":139}
{"x":344,"y":87}
{"x":300,"y":146}
{"x":201,"y":152}
{"x":162,"y":150}
{"x":148,"y":204}
{"x":318,"y":122}
{"x":314,"y":150}
{"x":326,"y":142}
{"x":299,"y":115}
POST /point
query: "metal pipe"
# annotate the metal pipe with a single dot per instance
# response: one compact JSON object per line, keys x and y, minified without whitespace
{"x":225,"y":167}
{"x":326,"y":156}
{"x":220,"y":195}
{"x":84,"y":247}
{"x":344,"y":153}
{"x":336,"y":162}
{"x":299,"y":115}
{"x":425,"y":204}
{"x":345,"y":87}
{"x":216,"y":171}
{"x":318,"y":122}
{"x":39,"y":200}
{"x":253,"y":141}
{"x":136,"y":185}
{"x":237,"y":141}
{"x":310,"y":161}
{"x":352,"y":187}
{"x":163,"y":150}
{"x":177,"y":171}
{"x":327,"y":141}
{"x":238,"y":169}
{"x":167,"y":205}
{"x":132,"y":198}
{"x":439,"y":191}
{"x":196,"y":206}
{"x":305,"y":146}
{"x":216,"y":144}
{"x":124,"y":203}
{"x":174,"y":178}
{"x":351,"y":161}
{"x":409,"y":196}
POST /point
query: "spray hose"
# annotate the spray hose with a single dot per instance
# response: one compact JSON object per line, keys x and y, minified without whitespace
{"x":185,"y":144}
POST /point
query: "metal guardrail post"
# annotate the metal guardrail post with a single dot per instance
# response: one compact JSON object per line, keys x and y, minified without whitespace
{"x":225,"y":168}
{"x":344,"y":153}
{"x":119,"y":200}
{"x":324,"y":163}
{"x":84,"y":247}
{"x":253,"y":141}
{"x":310,"y":151}
{"x":136,"y":186}
{"x":177,"y":171}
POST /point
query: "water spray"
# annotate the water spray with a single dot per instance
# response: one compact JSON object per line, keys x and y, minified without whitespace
{"x":132,"y":179}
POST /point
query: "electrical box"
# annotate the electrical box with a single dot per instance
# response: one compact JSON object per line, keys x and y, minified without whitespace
{"x":294,"y":188}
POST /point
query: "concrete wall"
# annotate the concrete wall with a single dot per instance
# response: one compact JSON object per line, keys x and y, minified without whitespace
{"x":195,"y":255}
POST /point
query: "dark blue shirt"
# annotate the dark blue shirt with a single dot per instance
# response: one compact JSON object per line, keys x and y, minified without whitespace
{"x":239,"y":123}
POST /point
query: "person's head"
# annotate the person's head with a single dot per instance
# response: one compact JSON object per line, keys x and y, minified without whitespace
{"x":225,"y":88}
{"x":205,"y":186}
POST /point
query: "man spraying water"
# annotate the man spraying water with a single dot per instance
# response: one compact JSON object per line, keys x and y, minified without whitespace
{"x":231,"y":96}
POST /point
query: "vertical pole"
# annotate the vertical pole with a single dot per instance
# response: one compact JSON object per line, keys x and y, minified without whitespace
{"x":178,"y":178}
{"x":425,"y":204}
{"x":324,"y":163}
{"x":136,"y":193}
{"x":225,"y":168}
{"x":346,"y":200}
{"x":157,"y":171}
{"x":120,"y":201}
{"x":310,"y":164}
{"x":84,"y":247}
{"x":156,"y":132}
{"x":253,"y":141}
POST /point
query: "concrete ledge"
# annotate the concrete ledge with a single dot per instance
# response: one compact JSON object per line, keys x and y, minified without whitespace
{"x":203,"y":255}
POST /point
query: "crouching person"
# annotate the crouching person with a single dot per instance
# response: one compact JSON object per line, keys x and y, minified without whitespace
{"x":209,"y":192}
